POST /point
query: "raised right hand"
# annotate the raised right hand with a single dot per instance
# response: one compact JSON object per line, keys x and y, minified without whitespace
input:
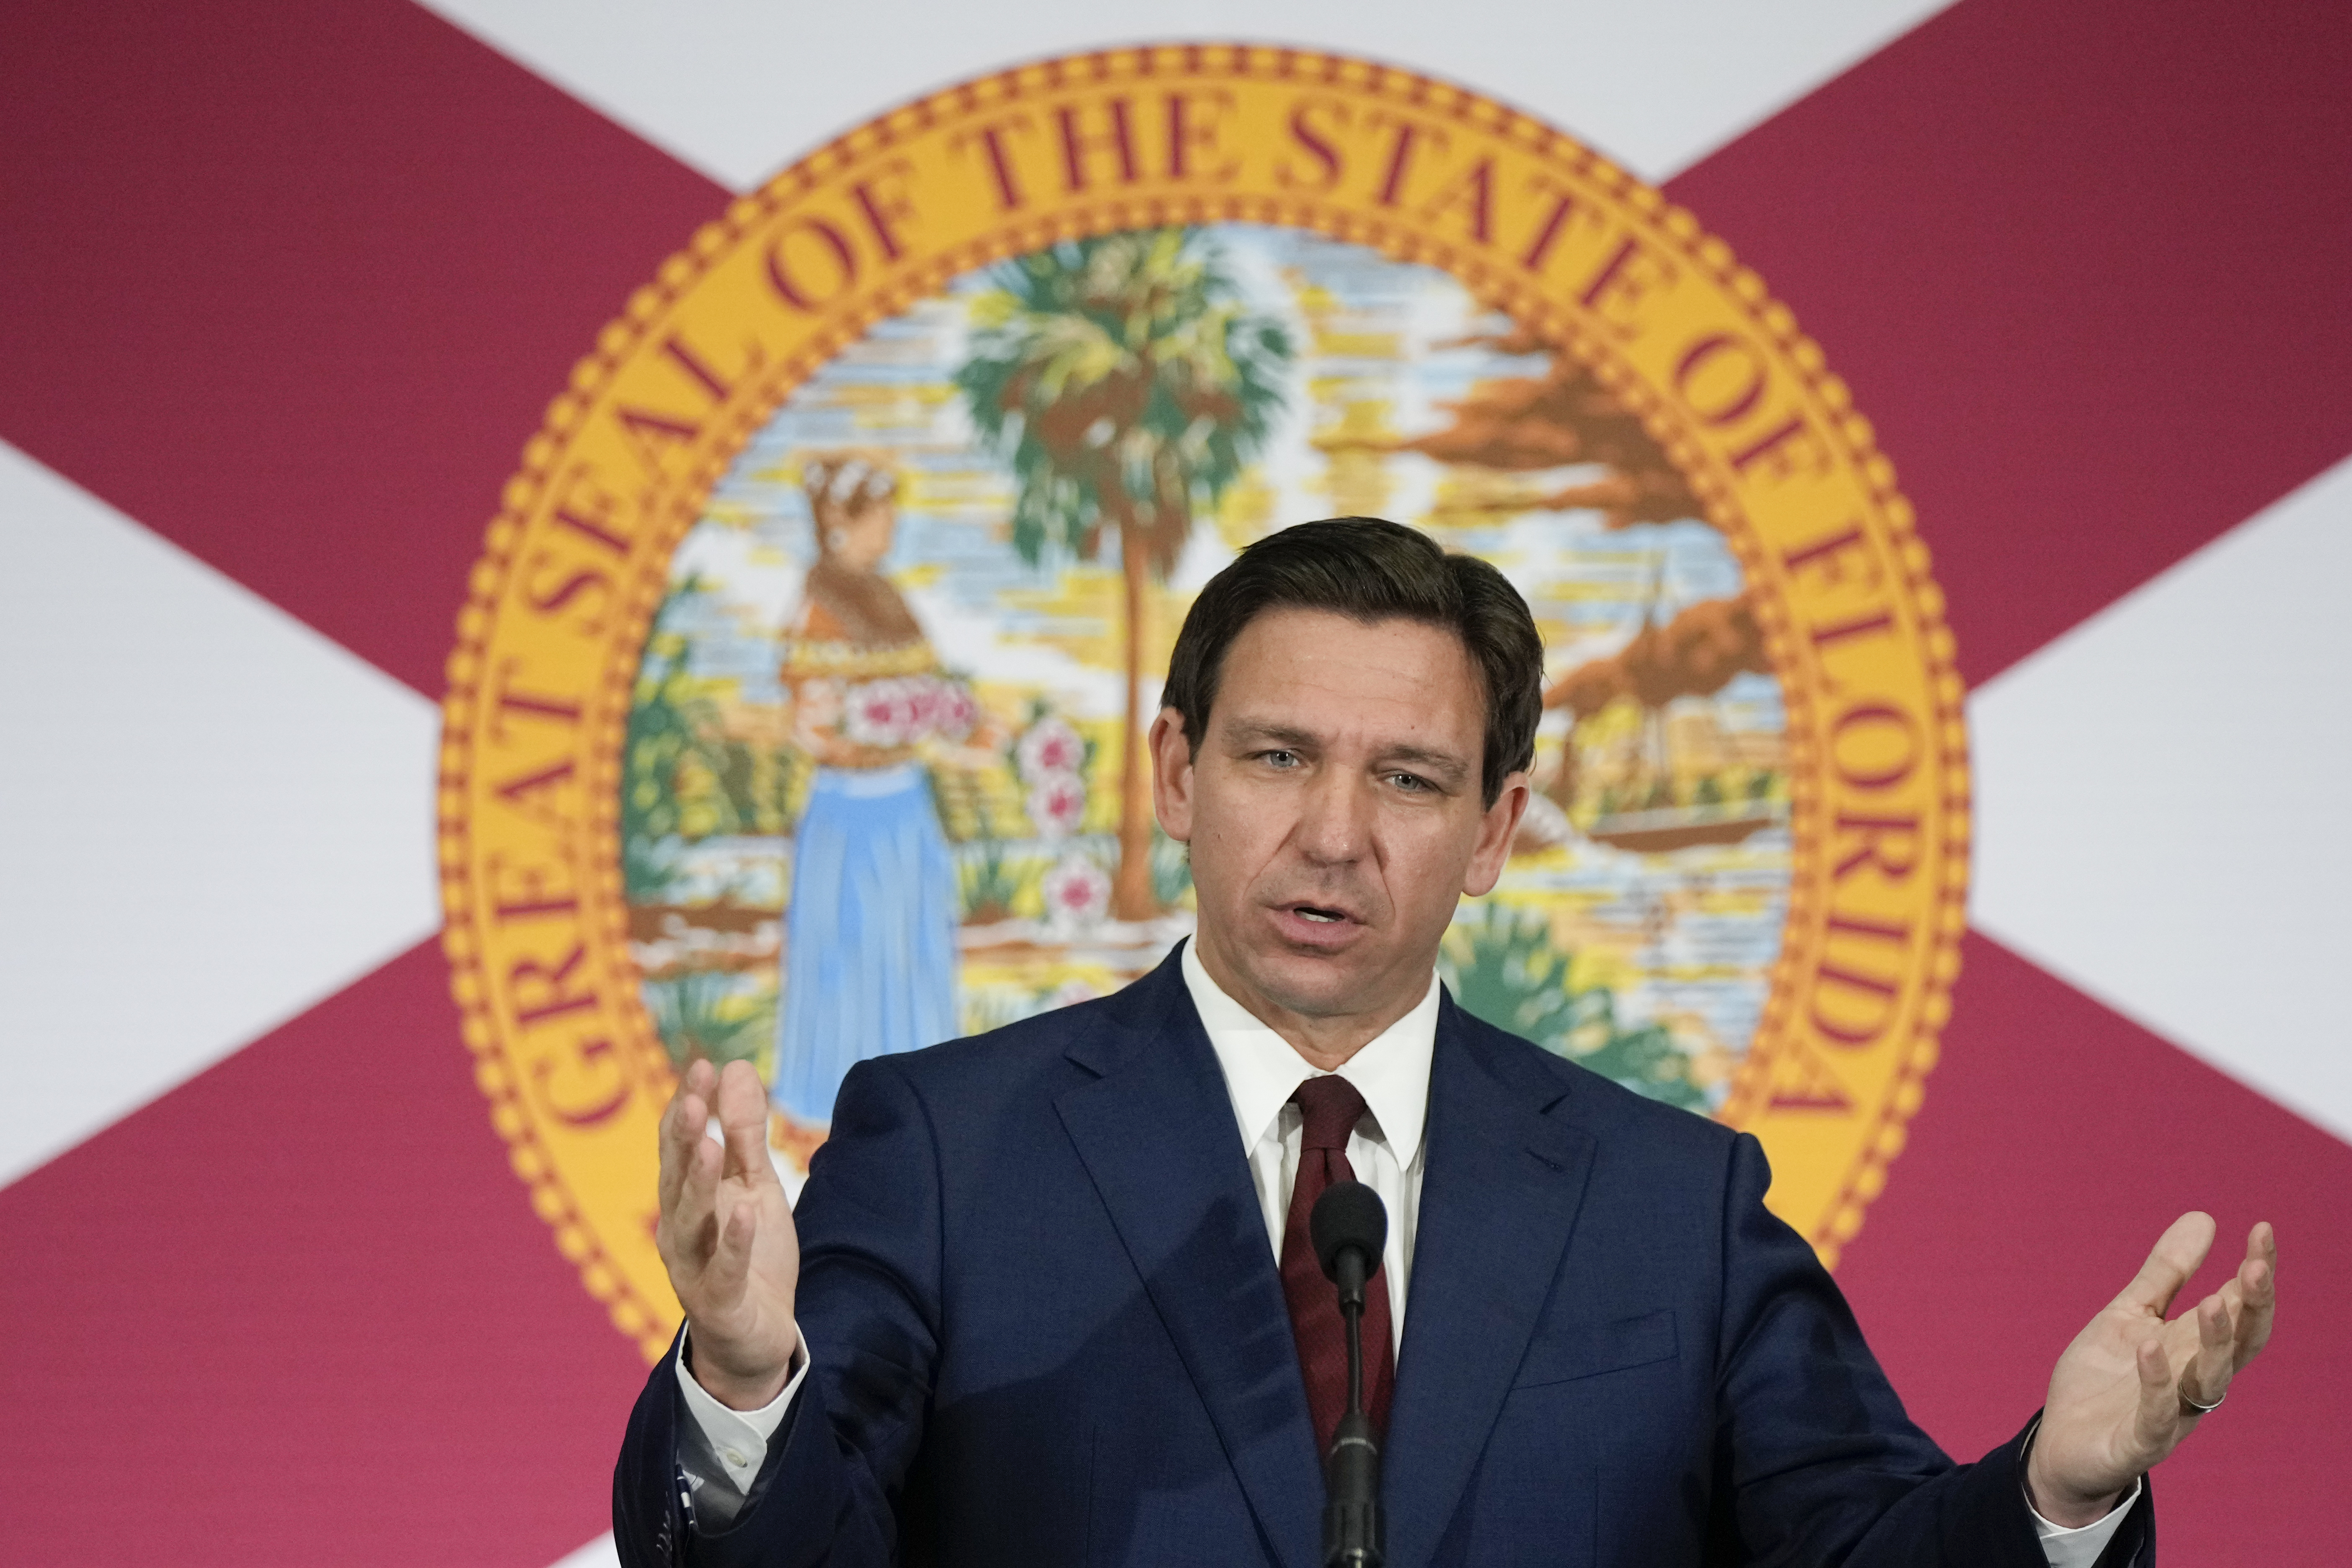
{"x":726,"y":1235}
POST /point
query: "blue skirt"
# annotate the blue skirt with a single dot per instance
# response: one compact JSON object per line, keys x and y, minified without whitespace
{"x":869,"y":935}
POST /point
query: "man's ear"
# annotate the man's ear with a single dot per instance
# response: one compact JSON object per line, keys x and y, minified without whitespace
{"x":1496,"y":830}
{"x":1172,"y":776}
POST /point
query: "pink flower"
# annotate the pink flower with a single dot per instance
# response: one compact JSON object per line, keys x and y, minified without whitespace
{"x":958,"y":711}
{"x":1050,"y":746}
{"x":1058,"y":803}
{"x":922,"y":702}
{"x":881,"y":713}
{"x":1078,"y":892}
{"x":944,"y":707}
{"x":898,"y":712}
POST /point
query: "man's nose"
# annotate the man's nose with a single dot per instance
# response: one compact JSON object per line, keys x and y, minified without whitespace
{"x":1333,"y":821}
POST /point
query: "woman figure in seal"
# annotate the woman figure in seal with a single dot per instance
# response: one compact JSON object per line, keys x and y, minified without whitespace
{"x":869,"y":962}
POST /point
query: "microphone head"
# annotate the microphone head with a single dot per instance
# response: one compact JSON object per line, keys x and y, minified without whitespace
{"x":1348,"y":1215}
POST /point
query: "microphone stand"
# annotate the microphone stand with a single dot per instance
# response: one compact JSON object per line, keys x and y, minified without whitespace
{"x":1353,"y":1530}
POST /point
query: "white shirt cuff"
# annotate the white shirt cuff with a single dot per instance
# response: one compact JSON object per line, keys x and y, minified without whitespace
{"x":739,"y":1437}
{"x":2077,"y":1548}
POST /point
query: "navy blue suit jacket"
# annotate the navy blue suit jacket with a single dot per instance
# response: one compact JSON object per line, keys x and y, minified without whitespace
{"x":1047,"y":1327}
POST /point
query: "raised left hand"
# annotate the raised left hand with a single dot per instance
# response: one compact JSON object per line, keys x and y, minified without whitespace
{"x":2124,"y":1393}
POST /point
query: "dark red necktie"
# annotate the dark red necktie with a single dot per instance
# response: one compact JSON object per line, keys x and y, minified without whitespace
{"x":1331,"y":1108}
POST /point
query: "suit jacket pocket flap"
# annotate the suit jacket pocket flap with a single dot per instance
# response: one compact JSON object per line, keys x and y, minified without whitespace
{"x":1570,"y":1350}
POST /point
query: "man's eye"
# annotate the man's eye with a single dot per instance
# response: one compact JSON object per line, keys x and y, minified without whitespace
{"x":1409,"y":782}
{"x":1281,"y":759}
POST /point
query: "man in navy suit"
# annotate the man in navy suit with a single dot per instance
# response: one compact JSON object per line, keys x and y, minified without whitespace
{"x":1046,"y":1299}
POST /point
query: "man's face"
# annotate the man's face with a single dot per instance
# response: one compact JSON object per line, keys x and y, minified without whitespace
{"x":1334,"y":813}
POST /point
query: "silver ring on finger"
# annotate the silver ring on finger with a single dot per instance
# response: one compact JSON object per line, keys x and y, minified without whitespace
{"x":2191,"y":1407}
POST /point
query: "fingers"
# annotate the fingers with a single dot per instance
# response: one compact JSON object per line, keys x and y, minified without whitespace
{"x":730,"y":1259}
{"x":690,"y":1172}
{"x":743,"y":1123}
{"x":2157,"y":1420}
{"x":2207,"y":1377}
{"x":686,"y":1235}
{"x":2175,"y":1258}
{"x":682,"y":1124}
{"x":2255,"y":1291}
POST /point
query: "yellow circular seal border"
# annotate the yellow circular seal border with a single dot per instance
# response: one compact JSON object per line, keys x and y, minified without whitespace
{"x":1531,"y":222}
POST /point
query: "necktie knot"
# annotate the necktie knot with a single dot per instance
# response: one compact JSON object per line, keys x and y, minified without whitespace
{"x":1331,"y":1107}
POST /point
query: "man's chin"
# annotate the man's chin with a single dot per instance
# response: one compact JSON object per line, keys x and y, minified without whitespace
{"x":1317,"y":984}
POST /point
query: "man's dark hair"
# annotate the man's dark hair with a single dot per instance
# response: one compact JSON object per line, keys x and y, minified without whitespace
{"x":1370,"y":569}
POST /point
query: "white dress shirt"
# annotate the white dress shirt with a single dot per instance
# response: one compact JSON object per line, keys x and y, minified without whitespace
{"x":1263,"y":1070}
{"x":1389,"y":1153}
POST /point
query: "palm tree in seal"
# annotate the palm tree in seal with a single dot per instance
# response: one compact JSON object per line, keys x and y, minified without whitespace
{"x":1127,"y":382}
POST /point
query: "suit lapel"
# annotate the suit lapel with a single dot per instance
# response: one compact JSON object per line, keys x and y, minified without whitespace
{"x":1156,"y":1134}
{"x":1499,"y":1198}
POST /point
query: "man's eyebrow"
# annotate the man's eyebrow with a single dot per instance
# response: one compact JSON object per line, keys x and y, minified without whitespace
{"x":1264,"y":732}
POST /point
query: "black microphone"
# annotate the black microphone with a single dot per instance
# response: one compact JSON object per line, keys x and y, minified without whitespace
{"x":1349,"y":1226}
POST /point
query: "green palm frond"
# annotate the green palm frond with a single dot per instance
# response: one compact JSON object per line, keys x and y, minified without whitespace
{"x":1502,"y":966}
{"x":704,"y":1014}
{"x":1127,"y":382}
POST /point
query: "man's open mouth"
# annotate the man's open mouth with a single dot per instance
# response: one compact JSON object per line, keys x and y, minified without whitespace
{"x":1320,"y":915}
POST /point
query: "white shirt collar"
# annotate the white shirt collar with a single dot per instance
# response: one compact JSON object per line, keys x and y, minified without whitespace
{"x":1263,"y":1070}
